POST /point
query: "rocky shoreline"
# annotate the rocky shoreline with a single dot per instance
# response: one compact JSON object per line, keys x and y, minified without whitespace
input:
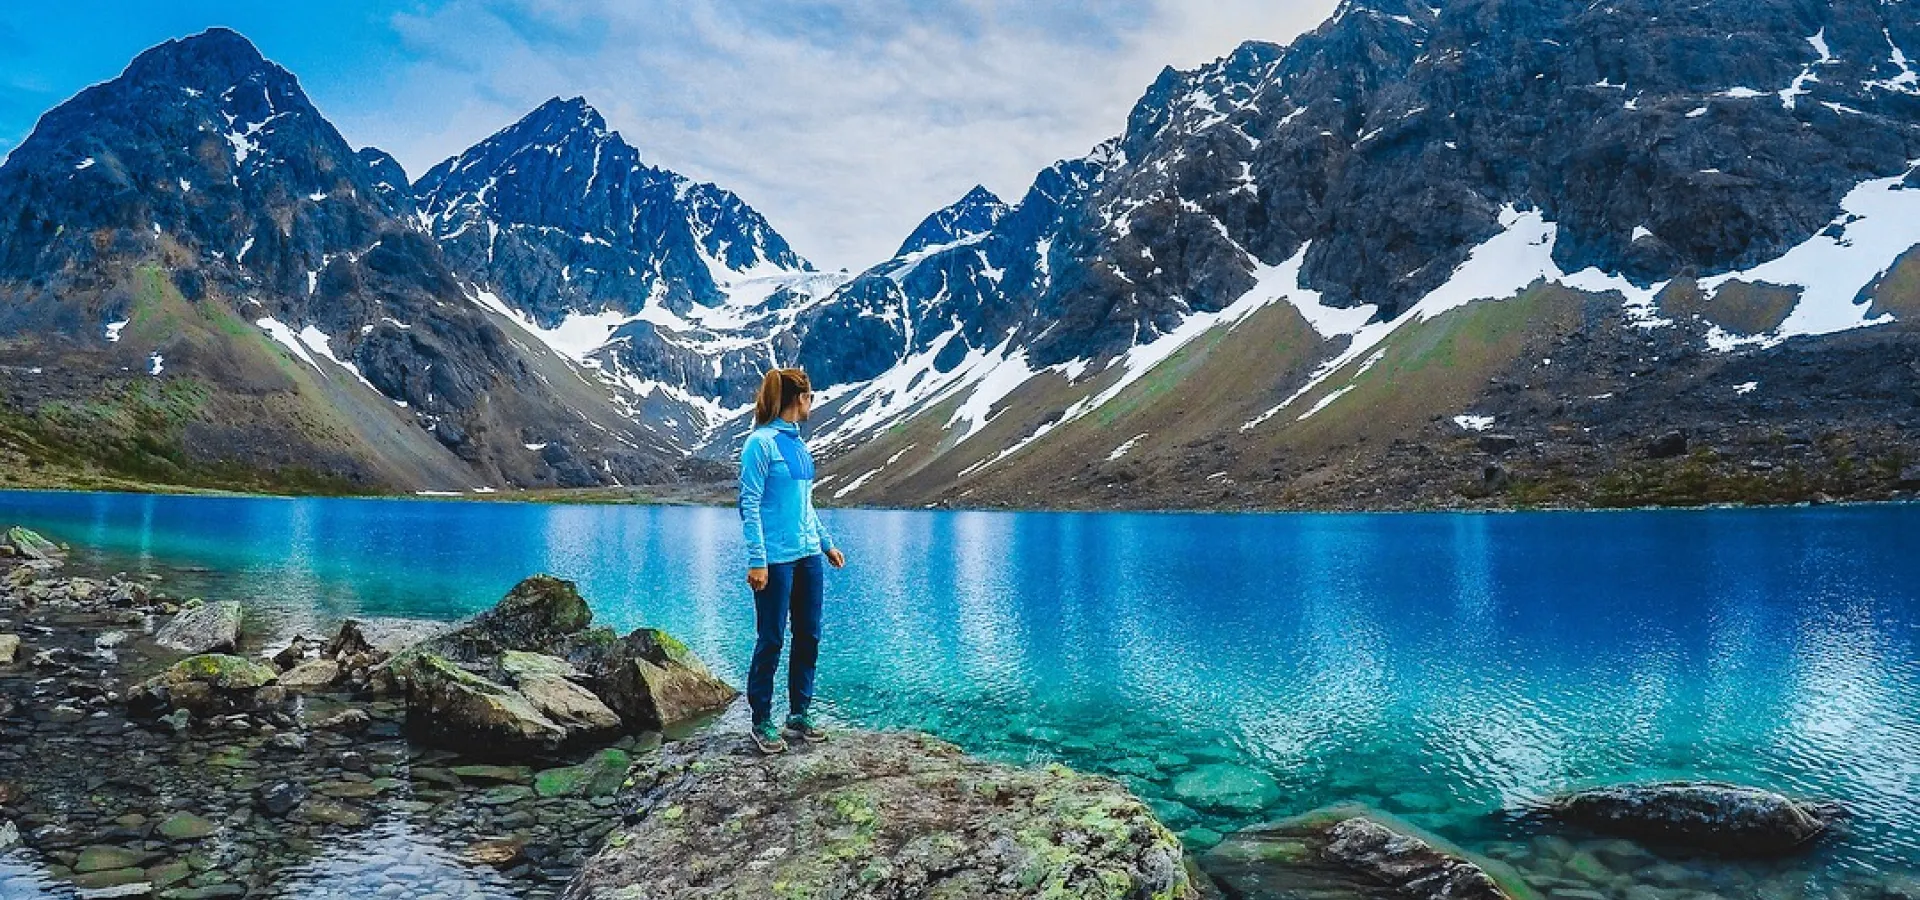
{"x":151,"y":746}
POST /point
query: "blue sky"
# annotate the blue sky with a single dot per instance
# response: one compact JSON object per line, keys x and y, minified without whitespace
{"x":844,"y":121}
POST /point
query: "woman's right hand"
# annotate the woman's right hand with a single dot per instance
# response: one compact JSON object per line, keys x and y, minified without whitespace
{"x":757,"y":578}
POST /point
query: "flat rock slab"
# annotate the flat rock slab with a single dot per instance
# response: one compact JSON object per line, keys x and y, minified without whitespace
{"x":212,"y":628}
{"x":312,"y":675}
{"x":876,"y":815}
{"x":1724,"y":818}
{"x":185,"y":827}
{"x":105,"y":858}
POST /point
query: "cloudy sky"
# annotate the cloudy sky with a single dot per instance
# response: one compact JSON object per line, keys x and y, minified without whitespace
{"x":843,"y":121}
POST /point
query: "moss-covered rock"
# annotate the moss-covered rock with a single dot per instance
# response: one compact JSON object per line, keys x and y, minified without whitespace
{"x":600,"y":776}
{"x":204,"y":685}
{"x":877,"y":815}
{"x":538,"y":613}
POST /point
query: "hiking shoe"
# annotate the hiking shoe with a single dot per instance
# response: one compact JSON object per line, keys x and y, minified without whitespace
{"x":767,"y":739}
{"x":803,"y":727}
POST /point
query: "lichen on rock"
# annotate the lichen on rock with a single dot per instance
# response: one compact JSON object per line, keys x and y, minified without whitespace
{"x":871,"y":815}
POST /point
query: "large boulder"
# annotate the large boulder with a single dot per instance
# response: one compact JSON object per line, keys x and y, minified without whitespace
{"x":1723,"y":818}
{"x":1350,"y":850}
{"x":538,"y":613}
{"x":872,"y":816}
{"x":535,"y":653}
{"x":448,"y":704}
{"x":655,"y":682}
{"x":209,"y":628}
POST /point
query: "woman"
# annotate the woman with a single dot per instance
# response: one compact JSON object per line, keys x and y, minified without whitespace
{"x":786,"y":544}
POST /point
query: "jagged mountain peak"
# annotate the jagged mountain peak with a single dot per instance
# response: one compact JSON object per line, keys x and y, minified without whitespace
{"x":1211,"y":90}
{"x":975,"y":213}
{"x":388,"y":176}
{"x":558,"y":118}
{"x":202,"y":60}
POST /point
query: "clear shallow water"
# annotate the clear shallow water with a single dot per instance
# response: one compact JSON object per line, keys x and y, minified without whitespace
{"x":1440,"y":666}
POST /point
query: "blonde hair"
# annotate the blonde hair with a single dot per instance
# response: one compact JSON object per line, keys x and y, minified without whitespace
{"x":780,"y":389}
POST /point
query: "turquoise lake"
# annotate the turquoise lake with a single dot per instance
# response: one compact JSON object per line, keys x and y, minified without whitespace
{"x":1442,"y":666}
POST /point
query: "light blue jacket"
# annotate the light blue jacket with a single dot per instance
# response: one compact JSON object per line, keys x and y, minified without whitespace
{"x":776,"y":497}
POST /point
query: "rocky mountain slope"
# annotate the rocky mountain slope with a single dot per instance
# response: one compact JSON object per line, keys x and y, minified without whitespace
{"x":201,"y":282}
{"x":1491,"y":251}
{"x":674,"y":291}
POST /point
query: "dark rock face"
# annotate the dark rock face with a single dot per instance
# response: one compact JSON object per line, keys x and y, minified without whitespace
{"x":150,"y":222}
{"x":389,"y":179}
{"x":872,"y":816}
{"x":1668,"y":446}
{"x":1722,"y":818}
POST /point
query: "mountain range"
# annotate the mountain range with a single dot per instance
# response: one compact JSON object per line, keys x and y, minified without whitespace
{"x":1485,"y":252}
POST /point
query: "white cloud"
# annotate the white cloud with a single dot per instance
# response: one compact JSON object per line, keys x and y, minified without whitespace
{"x":843,"y":122}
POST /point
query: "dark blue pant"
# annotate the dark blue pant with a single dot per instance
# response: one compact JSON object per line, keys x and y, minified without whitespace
{"x":794,"y":589}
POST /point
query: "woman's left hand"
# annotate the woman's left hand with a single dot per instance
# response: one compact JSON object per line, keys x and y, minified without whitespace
{"x":836,"y":559}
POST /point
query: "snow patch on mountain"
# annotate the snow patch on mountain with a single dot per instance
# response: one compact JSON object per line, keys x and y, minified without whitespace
{"x":1879,"y":221}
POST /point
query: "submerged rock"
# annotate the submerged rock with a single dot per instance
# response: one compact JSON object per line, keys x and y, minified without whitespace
{"x":600,"y":776}
{"x":1225,"y":787}
{"x":1352,"y":850}
{"x":211,"y":628}
{"x":877,"y":815}
{"x":1723,"y":818}
{"x":9,"y":648}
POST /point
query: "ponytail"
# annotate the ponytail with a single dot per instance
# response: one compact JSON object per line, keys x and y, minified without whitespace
{"x":780,"y":389}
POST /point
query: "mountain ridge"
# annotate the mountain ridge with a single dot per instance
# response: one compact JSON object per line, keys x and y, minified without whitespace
{"x":209,"y":284}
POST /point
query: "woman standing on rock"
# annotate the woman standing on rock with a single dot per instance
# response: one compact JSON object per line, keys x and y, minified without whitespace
{"x":787,"y":551}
